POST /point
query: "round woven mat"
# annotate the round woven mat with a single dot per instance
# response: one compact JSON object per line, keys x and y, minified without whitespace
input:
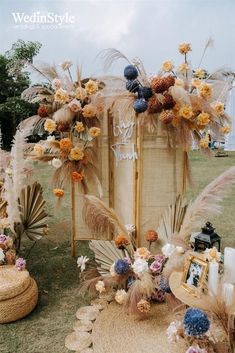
{"x":114,"y":331}
{"x":21,"y":305}
{"x":12,"y":282}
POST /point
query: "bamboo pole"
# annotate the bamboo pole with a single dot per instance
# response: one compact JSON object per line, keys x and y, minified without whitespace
{"x":73,"y":219}
{"x":138,"y":181}
{"x":110,"y":160}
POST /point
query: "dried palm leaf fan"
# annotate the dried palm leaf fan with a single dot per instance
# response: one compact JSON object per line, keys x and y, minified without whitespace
{"x":106,"y":253}
{"x":172,"y":219}
{"x":32,"y":214}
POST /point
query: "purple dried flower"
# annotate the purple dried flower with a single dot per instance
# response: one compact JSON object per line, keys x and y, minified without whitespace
{"x":3,"y":238}
{"x":156,"y":267}
{"x":160,"y":258}
{"x":20,"y":264}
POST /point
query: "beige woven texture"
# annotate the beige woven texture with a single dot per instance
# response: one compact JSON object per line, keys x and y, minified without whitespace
{"x":18,"y":307}
{"x":12,"y":282}
{"x":162,"y":173}
{"x":81,"y":231}
{"x":114,"y":332}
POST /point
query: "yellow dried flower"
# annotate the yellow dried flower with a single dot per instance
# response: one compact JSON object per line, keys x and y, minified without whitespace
{"x":143,"y":306}
{"x":204,"y":90}
{"x":196,"y":82}
{"x":218,"y":107}
{"x":199,"y":73}
{"x":186,"y":112}
{"x":91,"y":87}
{"x":79,"y":127}
{"x":183,"y":68}
{"x":204,"y":142}
{"x":89,"y":111}
{"x":76,"y":154}
{"x":167,"y":66}
{"x":61,"y":96}
{"x":94,"y":131}
{"x":50,"y":125}
{"x":225,"y":129}
{"x":184,"y":48}
{"x":81,"y":93}
{"x":203,"y":119}
{"x":38,"y":150}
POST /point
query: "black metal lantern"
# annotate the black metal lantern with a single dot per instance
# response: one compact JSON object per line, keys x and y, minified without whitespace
{"x":207,"y":238}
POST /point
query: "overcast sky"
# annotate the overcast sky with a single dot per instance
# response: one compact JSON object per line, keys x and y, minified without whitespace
{"x":149,"y":29}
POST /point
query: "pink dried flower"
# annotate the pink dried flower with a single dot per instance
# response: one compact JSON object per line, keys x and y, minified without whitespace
{"x":20,"y":264}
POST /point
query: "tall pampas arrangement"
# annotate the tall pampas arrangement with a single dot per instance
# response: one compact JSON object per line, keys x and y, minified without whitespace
{"x":207,"y":203}
{"x":18,"y":162}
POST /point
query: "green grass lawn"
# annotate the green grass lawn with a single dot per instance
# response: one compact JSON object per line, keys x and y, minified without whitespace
{"x":56,"y":272}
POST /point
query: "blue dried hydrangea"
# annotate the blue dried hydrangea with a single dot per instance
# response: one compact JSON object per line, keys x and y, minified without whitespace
{"x":121,"y":267}
{"x":164,"y":285}
{"x":140,"y":105}
{"x":130,"y":72}
{"x":196,"y":322}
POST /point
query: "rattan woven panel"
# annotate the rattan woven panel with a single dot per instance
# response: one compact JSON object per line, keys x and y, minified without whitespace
{"x":161,"y":179}
{"x":80,"y":229}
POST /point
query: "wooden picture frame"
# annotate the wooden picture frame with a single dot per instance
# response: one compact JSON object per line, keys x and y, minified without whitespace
{"x":194,"y":275}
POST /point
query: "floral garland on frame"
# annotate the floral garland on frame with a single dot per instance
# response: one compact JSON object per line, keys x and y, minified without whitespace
{"x":189,"y":104}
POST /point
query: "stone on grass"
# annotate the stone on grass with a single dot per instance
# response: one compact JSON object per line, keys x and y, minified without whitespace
{"x":87,"y":313}
{"x":83,"y":326}
{"x":78,"y":341}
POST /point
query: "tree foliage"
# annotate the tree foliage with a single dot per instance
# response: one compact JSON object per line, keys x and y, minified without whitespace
{"x":13,"y":81}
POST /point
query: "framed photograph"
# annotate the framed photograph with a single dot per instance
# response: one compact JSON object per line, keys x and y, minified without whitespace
{"x":194,"y":275}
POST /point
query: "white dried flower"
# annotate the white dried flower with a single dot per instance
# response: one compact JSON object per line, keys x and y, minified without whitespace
{"x":100,"y":287}
{"x":140,"y":266}
{"x":168,"y":249}
{"x":130,"y":228}
{"x":56,"y":163}
{"x":172,"y":331}
{"x":50,"y":138}
{"x":81,"y":262}
{"x":56,"y":84}
{"x":120,"y":296}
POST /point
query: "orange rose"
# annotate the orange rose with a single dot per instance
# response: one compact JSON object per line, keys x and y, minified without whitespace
{"x":58,"y":192}
{"x":76,"y":177}
{"x":151,"y":235}
{"x":121,"y":241}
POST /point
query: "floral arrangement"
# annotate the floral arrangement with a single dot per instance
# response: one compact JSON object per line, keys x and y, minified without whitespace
{"x":69,"y":115}
{"x":8,"y":254}
{"x":186,"y":102}
{"x":201,"y":334}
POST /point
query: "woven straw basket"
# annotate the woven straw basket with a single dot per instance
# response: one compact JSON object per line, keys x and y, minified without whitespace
{"x":18,"y":294}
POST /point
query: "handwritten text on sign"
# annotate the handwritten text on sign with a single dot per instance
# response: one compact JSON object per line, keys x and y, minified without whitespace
{"x":123,"y":131}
